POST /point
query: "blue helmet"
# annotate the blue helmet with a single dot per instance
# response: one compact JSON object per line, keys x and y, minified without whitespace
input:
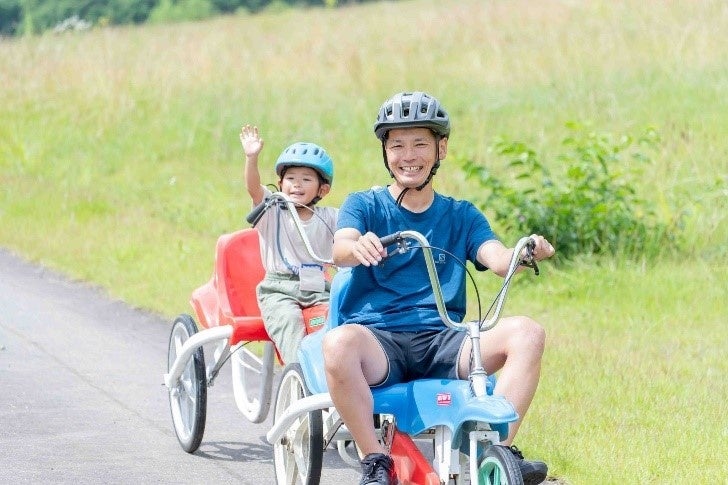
{"x":302,"y":154}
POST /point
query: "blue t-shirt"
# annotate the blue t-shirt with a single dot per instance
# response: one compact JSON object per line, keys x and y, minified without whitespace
{"x":396,"y":295}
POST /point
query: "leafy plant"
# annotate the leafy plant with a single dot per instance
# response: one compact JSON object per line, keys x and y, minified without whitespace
{"x":38,"y":16}
{"x":589,"y":205}
{"x":181,"y":10}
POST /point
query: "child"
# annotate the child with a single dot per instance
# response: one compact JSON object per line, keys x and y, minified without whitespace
{"x":293,"y":279}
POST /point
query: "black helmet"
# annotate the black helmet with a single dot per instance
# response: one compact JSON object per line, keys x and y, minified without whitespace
{"x":412,"y":110}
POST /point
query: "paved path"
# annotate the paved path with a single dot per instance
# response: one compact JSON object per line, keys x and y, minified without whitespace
{"x":82,"y":400}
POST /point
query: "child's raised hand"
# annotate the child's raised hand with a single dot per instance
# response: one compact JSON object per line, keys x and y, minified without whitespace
{"x":251,"y":140}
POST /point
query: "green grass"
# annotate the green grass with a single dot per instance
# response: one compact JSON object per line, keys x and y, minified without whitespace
{"x":120,"y":165}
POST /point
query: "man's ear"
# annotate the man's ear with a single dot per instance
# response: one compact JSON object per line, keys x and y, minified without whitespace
{"x":442,"y":148}
{"x":324,"y":189}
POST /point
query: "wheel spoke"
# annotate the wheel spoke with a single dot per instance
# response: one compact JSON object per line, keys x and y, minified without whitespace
{"x":295,"y":461}
{"x":291,"y":469}
{"x":187,"y":399}
{"x":185,"y":383}
{"x":300,"y":450}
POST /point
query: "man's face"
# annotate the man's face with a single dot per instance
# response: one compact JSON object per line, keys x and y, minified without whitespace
{"x":411,"y":154}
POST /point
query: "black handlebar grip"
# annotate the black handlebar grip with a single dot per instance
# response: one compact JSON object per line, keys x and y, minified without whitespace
{"x":257,"y":212}
{"x":530,"y":261}
{"x":390,"y":239}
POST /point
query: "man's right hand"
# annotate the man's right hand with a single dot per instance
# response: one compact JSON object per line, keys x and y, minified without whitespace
{"x":351,"y":248}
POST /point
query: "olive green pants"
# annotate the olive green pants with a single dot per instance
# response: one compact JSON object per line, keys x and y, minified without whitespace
{"x":281,"y":301}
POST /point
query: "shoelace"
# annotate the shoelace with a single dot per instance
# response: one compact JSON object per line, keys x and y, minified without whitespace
{"x":516,"y":452}
{"x":376,"y":469}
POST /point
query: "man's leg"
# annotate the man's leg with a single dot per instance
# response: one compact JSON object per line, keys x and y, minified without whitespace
{"x":515,"y":346}
{"x":353,"y":360}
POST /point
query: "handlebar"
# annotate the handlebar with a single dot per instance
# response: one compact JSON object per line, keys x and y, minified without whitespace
{"x":257,"y":212}
{"x":529,"y":260}
{"x":391,"y":239}
{"x":524,"y":243}
{"x":279,"y":198}
{"x":478,"y":375}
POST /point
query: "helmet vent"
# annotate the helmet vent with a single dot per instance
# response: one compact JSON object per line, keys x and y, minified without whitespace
{"x":416,"y":109}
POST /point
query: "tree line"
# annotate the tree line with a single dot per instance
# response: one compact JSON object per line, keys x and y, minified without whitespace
{"x":27,"y":17}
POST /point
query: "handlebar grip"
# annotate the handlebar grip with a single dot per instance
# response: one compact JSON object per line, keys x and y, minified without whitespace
{"x":390,"y":239}
{"x":257,"y":212}
{"x":530,"y":260}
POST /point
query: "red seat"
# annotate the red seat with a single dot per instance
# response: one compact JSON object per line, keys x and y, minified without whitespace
{"x":229,"y":297}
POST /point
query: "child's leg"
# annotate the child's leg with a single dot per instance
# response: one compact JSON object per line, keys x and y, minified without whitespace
{"x":282,"y":316}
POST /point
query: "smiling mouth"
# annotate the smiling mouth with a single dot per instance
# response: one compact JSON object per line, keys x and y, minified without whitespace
{"x":411,"y":169}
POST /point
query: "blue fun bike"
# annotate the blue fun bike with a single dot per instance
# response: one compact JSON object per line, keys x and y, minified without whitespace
{"x":438,"y":431}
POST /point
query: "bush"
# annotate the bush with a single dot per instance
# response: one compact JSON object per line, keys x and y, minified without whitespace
{"x":10,"y":16}
{"x":591,"y":205}
{"x":181,"y":11}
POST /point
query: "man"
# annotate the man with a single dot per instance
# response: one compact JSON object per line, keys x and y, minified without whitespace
{"x":393,"y":332}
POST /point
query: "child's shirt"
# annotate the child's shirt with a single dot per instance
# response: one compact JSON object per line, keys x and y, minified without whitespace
{"x":281,"y":247}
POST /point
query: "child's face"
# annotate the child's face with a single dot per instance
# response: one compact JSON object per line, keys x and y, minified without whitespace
{"x":302,"y":184}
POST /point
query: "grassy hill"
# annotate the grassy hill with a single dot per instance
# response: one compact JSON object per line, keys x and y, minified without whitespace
{"x":120,"y":165}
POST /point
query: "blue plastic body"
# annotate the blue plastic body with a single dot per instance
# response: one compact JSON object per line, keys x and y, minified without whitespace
{"x":418,"y":405}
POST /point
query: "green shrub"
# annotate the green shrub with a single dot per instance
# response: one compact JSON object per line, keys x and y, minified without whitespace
{"x":181,"y":11}
{"x":590,"y":204}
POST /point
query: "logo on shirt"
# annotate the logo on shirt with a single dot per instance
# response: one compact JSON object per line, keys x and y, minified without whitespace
{"x":444,"y":399}
{"x":440,"y":259}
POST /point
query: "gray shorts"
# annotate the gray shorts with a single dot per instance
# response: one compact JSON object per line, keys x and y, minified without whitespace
{"x":416,"y":355}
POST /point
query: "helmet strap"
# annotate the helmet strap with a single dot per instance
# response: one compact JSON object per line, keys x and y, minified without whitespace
{"x":433,"y":171}
{"x":434,"y":168}
{"x":400,"y":197}
{"x":384,"y":156}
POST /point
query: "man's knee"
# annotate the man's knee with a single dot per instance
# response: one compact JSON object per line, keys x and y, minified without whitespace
{"x":529,"y":334}
{"x":338,"y":344}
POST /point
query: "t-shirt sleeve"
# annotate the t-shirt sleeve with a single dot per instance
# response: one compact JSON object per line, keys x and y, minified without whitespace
{"x":480,"y":232}
{"x":352,"y":213}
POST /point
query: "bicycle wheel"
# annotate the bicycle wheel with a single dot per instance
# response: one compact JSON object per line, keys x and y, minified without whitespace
{"x":188,"y":398}
{"x":498,"y":466}
{"x":298,"y":455}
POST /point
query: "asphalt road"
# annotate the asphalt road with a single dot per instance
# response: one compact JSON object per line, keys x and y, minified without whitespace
{"x":82,"y":399}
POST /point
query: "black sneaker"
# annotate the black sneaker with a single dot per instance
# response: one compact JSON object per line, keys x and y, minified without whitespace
{"x":533,"y":472}
{"x":377,"y":468}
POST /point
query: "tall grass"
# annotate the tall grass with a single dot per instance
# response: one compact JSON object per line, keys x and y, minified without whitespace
{"x":120,"y":164}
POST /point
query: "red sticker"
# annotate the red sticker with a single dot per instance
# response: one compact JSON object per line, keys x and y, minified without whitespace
{"x":444,"y":399}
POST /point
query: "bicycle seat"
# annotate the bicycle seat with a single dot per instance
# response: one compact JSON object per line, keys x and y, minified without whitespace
{"x":229,"y":297}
